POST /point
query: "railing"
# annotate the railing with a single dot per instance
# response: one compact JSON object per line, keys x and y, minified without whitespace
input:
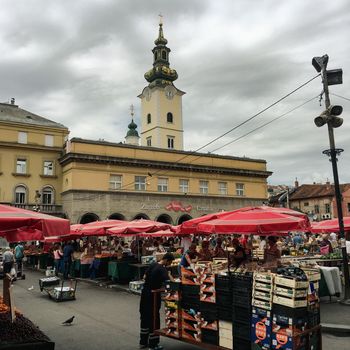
{"x":44,"y":208}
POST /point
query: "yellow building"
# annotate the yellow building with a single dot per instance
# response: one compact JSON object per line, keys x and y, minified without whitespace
{"x":30,"y":173}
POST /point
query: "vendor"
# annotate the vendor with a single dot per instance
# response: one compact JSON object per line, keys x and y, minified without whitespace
{"x":272,"y":253}
{"x":189,"y":257}
{"x":325,"y":245}
{"x":239,"y":255}
{"x":205,"y":253}
{"x":219,"y":251}
{"x":154,"y":277}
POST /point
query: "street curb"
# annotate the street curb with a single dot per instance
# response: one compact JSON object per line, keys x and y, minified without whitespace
{"x":336,"y":329}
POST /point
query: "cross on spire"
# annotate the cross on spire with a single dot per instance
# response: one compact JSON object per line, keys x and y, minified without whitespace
{"x":160,"y":18}
{"x":132,"y":110}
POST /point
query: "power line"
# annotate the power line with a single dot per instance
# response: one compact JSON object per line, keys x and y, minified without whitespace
{"x":262,"y":126}
{"x":232,"y":129}
{"x":344,"y":98}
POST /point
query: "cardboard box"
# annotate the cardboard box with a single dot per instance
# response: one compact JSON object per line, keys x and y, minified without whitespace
{"x":226,"y":342}
{"x":261,"y":327}
{"x":281,"y":340}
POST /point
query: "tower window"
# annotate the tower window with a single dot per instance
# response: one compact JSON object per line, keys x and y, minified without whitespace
{"x":171,"y":142}
{"x":169,"y":117}
{"x":156,"y":56}
{"x":164,"y":55}
{"x":149,"y":118}
{"x":149,"y":141}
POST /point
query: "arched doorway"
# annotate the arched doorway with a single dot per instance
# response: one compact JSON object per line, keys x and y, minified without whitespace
{"x":88,"y":217}
{"x":165,"y":218}
{"x":141,"y":216}
{"x":183,"y":218}
{"x":116,"y":216}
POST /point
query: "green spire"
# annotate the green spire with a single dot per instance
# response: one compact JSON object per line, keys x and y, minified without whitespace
{"x":132,"y":126}
{"x":161,"y":74}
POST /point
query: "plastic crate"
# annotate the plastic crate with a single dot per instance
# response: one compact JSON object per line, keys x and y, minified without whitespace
{"x":210,"y":337}
{"x":225,"y":314}
{"x":222,"y":282}
{"x":241,"y":330}
{"x":241,"y":344}
{"x":242,"y":300}
{"x":241,"y":314}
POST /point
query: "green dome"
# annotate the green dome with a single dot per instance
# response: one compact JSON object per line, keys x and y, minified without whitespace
{"x":132,"y":129}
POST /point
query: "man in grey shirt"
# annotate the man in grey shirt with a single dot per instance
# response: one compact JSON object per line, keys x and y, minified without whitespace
{"x":8,"y":259}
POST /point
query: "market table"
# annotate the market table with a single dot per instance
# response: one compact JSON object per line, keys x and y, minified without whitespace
{"x":119,"y":271}
{"x":141,"y":269}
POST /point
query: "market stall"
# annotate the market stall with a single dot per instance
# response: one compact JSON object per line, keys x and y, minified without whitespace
{"x":254,"y":306}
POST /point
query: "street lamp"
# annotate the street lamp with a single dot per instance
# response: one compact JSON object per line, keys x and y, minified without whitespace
{"x":331,"y":117}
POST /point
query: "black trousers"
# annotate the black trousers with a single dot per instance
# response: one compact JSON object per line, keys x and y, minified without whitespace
{"x":150,"y":318}
{"x":7,"y":267}
{"x":67,"y":266}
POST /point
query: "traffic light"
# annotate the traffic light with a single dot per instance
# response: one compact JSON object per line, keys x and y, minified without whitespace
{"x":330,"y":115}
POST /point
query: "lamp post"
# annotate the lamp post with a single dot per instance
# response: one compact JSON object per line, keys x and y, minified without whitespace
{"x":330,"y":117}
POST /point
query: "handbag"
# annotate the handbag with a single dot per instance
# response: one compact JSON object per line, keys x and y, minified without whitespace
{"x":13,"y":272}
{"x":324,"y":250}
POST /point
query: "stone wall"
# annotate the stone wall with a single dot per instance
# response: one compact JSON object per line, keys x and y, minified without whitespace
{"x":175,"y":208}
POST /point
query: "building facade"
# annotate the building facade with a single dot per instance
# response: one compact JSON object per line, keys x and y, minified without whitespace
{"x":30,"y":173}
{"x":104,"y":180}
{"x":318,"y":200}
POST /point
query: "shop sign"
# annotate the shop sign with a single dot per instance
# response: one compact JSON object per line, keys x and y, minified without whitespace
{"x":145,"y":206}
{"x":178,"y":206}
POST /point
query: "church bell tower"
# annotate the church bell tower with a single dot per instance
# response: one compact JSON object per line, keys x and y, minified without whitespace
{"x":161,"y":102}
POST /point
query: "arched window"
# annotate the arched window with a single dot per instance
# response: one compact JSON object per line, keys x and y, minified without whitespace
{"x":169,"y":117}
{"x":164,"y":55}
{"x":149,"y":118}
{"x":156,"y":56}
{"x":47,"y":195}
{"x":20,"y":194}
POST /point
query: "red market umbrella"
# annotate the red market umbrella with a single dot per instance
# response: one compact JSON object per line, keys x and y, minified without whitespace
{"x":327,"y":226}
{"x":257,"y":220}
{"x":29,"y":225}
{"x":137,"y":226}
{"x":97,"y":228}
{"x":161,"y":233}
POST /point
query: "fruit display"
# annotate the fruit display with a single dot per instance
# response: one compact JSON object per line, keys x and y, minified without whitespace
{"x":336,"y":255}
{"x":21,"y":331}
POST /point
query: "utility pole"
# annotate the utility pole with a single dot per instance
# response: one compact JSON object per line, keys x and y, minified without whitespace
{"x":329,"y":116}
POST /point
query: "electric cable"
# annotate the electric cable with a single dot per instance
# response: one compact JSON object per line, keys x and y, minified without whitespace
{"x":229,"y":131}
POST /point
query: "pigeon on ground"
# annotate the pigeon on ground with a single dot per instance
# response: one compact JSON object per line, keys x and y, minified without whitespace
{"x":69,"y":321}
{"x":31,"y":288}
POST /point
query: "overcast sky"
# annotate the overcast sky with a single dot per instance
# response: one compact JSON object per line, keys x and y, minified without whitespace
{"x":81,"y":63}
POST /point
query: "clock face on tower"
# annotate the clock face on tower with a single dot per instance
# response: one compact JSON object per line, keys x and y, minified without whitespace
{"x":170,"y":92}
{"x":147,"y":93}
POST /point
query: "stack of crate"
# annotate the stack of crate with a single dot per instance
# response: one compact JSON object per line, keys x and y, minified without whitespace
{"x":263,"y":284}
{"x":225,"y":334}
{"x":172,"y":308}
{"x":261,"y":320}
{"x":290,"y":312}
{"x":258,"y":254}
{"x":207,"y":296}
{"x":223,"y":297}
{"x":241,"y":309}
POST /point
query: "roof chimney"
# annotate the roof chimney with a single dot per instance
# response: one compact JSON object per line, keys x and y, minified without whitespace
{"x":13,"y":100}
{"x":296,"y":183}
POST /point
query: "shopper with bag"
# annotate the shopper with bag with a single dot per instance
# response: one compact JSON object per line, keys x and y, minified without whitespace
{"x":8,"y":259}
{"x":19,"y":255}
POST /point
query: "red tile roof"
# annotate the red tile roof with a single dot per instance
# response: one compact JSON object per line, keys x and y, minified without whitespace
{"x":317,"y":190}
